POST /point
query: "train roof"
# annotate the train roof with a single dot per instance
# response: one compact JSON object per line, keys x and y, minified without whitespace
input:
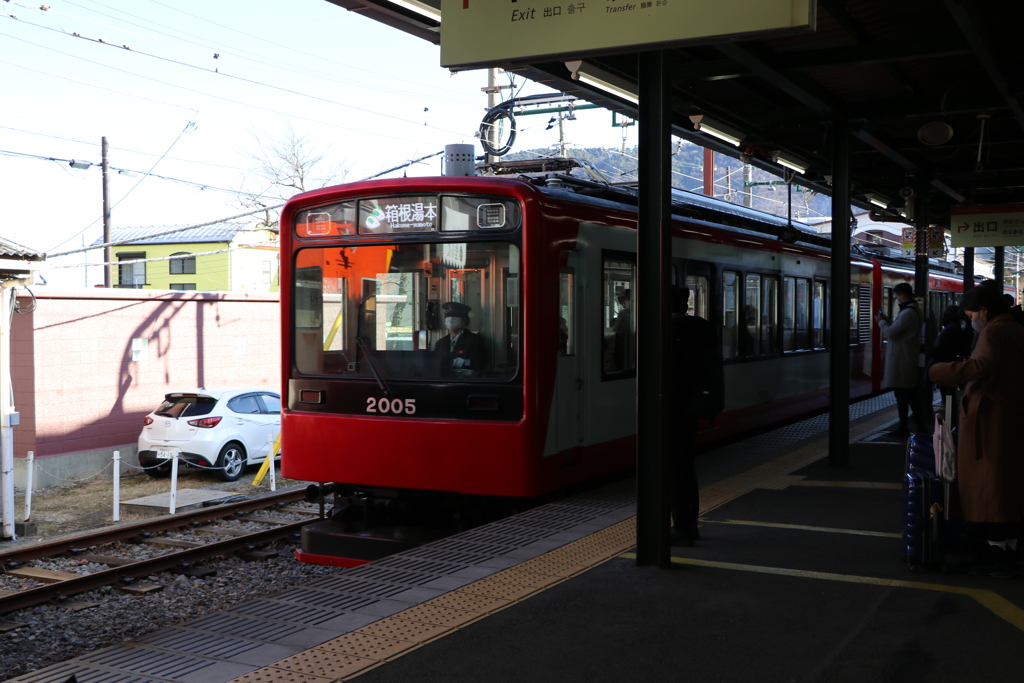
{"x":556,"y":178}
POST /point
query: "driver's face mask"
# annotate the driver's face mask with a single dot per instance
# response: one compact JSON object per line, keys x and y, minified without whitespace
{"x":453,"y":323}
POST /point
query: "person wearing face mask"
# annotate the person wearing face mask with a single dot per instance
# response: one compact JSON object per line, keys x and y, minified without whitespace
{"x":461,"y":351}
{"x":901,"y":359}
{"x":990,"y":469}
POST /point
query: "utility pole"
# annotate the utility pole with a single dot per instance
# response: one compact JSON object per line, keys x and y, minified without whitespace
{"x":108,"y":252}
{"x":561,"y":135}
{"x":748,"y":190}
{"x":492,"y":91}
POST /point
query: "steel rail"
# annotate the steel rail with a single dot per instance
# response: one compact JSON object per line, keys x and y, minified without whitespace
{"x":76,"y":544}
{"x":127,"y":573}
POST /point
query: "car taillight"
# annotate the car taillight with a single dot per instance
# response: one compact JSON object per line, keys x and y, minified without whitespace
{"x":206,"y":422}
{"x":148,"y":421}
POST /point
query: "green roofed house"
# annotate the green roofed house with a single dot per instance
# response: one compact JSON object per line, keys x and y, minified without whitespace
{"x":227,"y":257}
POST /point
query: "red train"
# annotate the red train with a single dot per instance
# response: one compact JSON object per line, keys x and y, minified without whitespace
{"x":538,"y":391}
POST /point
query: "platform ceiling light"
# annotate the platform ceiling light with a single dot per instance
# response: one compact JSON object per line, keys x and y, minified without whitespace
{"x":602,"y":80}
{"x":878,"y":200}
{"x":420,"y":8}
{"x":716,"y":129}
{"x":791,"y":162}
{"x":81,"y":165}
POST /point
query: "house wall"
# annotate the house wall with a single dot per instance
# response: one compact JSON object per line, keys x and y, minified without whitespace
{"x":249,"y":268}
{"x":213,"y":272}
{"x":89,"y":365}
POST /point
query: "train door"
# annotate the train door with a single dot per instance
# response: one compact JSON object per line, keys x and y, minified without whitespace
{"x":569,"y":383}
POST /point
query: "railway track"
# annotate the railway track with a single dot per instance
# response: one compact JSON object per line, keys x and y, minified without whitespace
{"x":179,"y":542}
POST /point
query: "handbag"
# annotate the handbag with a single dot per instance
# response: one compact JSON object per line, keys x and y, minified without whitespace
{"x":944,"y":445}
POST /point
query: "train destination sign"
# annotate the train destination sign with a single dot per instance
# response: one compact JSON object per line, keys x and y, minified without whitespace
{"x":987,"y":226}
{"x":478,"y":33}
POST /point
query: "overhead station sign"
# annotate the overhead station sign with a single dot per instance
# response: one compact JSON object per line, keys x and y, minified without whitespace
{"x":478,"y":33}
{"x":987,"y":226}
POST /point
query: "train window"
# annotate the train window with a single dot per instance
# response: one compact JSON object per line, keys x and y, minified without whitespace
{"x":752,"y":316}
{"x":818,"y":314}
{"x":795,"y":313}
{"x":803,"y":306}
{"x":618,"y":344}
{"x":854,"y":306}
{"x":887,"y":300}
{"x":769,"y":315}
{"x":730,"y":329}
{"x":406,"y":311}
{"x":698,"y":304}
{"x":566,"y":308}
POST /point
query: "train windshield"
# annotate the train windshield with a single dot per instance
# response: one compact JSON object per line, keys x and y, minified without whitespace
{"x":411,"y":311}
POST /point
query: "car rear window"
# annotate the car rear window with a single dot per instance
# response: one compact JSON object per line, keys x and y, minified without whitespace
{"x":186,"y":406}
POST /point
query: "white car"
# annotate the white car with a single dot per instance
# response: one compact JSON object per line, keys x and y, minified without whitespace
{"x":224,"y":430}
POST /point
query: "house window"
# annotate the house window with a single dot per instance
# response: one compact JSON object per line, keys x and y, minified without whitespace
{"x":131,"y":275}
{"x":183,"y":263}
{"x":183,"y":286}
{"x":268,"y":272}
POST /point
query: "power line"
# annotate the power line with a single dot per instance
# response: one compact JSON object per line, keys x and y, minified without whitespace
{"x":221,"y":97}
{"x":257,"y":56}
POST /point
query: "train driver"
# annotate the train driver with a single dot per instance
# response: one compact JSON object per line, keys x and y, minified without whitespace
{"x":461,"y":351}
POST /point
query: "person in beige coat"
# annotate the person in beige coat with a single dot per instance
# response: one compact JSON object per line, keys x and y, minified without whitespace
{"x":990,"y":459}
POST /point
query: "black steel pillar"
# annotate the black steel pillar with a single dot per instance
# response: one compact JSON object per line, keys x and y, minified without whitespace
{"x":999,"y":266}
{"x":652,"y":311}
{"x":839,"y":313}
{"x":968,"y":268}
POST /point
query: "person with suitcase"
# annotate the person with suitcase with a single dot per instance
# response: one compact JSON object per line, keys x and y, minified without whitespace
{"x":990,"y":469}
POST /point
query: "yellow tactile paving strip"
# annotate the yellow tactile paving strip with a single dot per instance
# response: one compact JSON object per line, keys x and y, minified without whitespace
{"x":354,"y":653}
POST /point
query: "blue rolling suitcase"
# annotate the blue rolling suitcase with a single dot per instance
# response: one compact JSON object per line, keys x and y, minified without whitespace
{"x":923,"y":501}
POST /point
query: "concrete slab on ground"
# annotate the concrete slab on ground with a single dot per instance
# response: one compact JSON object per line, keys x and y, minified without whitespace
{"x":185,"y":499}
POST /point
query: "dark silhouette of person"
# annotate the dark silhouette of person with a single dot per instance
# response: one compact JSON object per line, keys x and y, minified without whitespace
{"x":698,"y":390}
{"x":461,"y":352}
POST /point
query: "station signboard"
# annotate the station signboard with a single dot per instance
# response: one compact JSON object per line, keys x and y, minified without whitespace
{"x":987,"y":226}
{"x":936,"y":242}
{"x":479,"y":33}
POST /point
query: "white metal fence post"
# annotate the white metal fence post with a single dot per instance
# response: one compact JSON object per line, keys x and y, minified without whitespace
{"x":117,"y":486}
{"x":174,"y":481}
{"x":29,"y":472}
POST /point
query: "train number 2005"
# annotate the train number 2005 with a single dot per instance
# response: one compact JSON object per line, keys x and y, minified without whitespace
{"x":395,"y":406}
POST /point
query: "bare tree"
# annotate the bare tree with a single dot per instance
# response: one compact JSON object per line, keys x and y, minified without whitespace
{"x":284,"y":165}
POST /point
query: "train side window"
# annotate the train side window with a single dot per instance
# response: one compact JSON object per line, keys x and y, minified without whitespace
{"x":566,"y":313}
{"x":618,"y":343}
{"x":769,"y":314}
{"x":788,"y":312}
{"x":818,"y":314}
{"x":887,"y":301}
{"x":699,"y":297}
{"x":752,"y":316}
{"x":803,"y":293}
{"x":854,"y":304}
{"x":730,"y":329}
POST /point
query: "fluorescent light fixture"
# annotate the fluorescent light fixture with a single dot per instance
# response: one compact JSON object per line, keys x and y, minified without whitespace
{"x":602,"y":80}
{"x":878,"y":200}
{"x":791,"y":162}
{"x":420,"y":8}
{"x":716,"y":129}
{"x":81,"y":165}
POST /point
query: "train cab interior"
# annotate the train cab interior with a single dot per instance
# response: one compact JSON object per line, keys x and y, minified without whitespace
{"x":380,"y":310}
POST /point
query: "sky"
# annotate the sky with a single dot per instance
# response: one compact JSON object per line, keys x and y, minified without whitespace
{"x":187,"y":90}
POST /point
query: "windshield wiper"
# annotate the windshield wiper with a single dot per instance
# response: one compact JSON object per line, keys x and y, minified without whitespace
{"x":381,"y":382}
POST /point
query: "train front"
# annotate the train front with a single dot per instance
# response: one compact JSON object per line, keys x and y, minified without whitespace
{"x":402,"y":363}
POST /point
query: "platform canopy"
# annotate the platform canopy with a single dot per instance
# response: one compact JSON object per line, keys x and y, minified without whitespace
{"x":931,"y":89}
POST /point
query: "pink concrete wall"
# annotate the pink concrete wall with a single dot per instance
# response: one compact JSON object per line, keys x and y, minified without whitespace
{"x":75,"y":382}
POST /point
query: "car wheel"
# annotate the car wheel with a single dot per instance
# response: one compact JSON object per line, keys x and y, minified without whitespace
{"x":159,"y":471}
{"x":231,"y":461}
